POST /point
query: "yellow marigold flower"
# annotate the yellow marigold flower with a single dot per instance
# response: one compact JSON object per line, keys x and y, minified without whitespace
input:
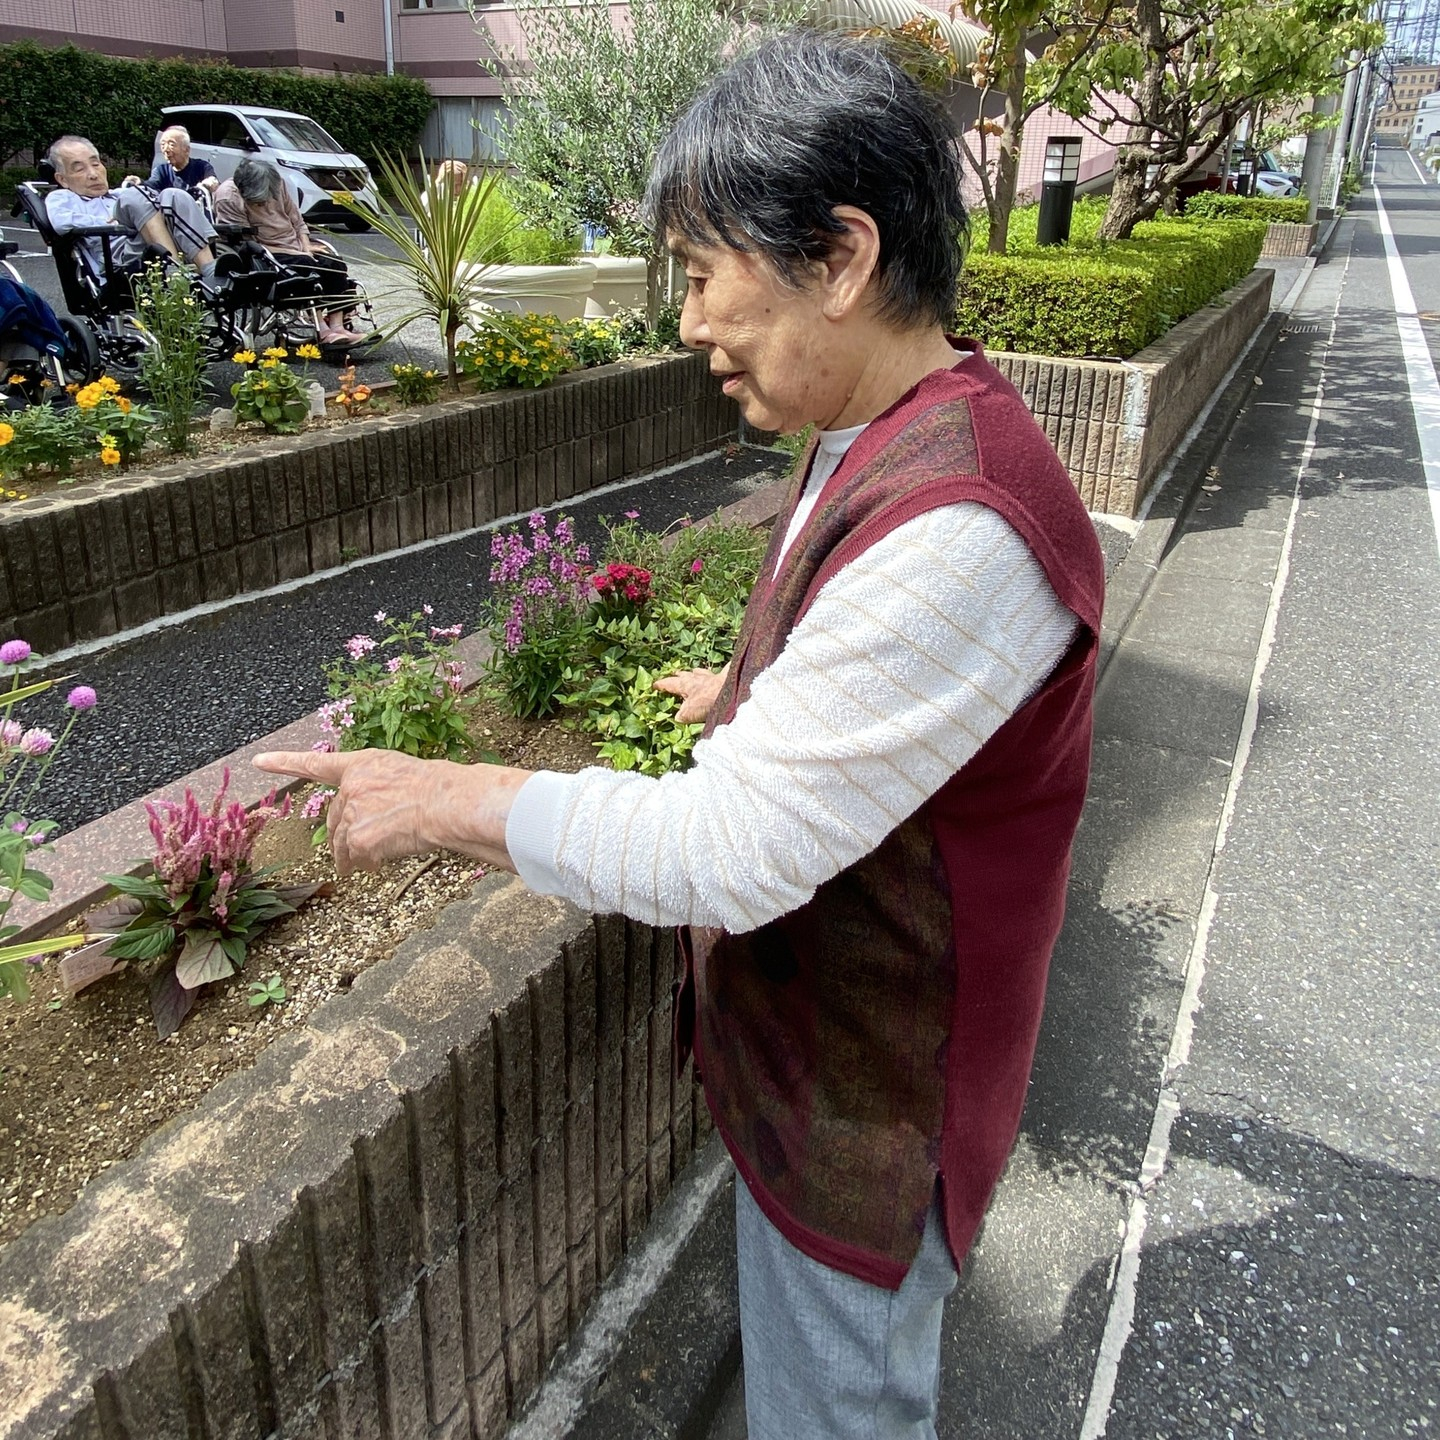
{"x":109,"y":456}
{"x":277,"y":352}
{"x":16,"y":380}
{"x":123,"y":403}
{"x":244,"y":357}
{"x":7,"y":433}
{"x":108,"y":386}
{"x":72,"y":387}
{"x":308,"y":352}
{"x":269,"y":364}
{"x":89,"y":397}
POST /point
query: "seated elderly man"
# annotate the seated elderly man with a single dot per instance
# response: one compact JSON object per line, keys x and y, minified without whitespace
{"x":176,"y":168}
{"x":172,"y":221}
{"x":257,"y":197}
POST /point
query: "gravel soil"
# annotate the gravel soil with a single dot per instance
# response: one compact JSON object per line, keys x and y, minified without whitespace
{"x":84,"y":1080}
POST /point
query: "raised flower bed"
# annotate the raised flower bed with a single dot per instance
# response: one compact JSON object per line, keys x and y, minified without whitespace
{"x":103,"y":557}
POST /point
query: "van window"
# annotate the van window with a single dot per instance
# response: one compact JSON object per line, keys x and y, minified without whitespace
{"x":200,"y":124}
{"x":294,"y":132}
{"x":232,"y":133}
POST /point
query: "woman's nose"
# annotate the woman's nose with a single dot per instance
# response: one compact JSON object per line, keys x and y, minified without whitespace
{"x":694,"y":332}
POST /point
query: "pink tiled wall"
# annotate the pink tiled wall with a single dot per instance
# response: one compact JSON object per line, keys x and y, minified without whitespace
{"x":185,"y":24}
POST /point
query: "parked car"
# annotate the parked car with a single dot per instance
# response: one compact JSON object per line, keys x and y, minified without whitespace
{"x":1271,"y":180}
{"x":319,"y":170}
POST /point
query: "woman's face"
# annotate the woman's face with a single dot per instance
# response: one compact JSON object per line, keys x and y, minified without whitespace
{"x":767,"y":340}
{"x":176,"y":150}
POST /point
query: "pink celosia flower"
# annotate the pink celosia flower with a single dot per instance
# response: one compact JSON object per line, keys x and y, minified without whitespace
{"x":36,"y":742}
{"x":12,"y":652}
{"x":82,"y":697}
{"x":696,"y":566}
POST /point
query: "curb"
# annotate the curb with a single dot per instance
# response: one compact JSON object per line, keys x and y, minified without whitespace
{"x":1132,"y":578}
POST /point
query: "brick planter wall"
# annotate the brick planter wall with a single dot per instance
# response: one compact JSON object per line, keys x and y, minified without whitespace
{"x":1115,"y":423}
{"x":88,"y":562}
{"x":386,"y":1227}
{"x":1287,"y":239}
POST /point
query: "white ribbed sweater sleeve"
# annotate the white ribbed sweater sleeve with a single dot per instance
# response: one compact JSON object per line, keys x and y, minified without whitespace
{"x":907,"y":661}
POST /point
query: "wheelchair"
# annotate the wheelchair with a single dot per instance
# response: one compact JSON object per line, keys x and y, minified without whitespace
{"x":33,"y":340}
{"x":253,"y":303}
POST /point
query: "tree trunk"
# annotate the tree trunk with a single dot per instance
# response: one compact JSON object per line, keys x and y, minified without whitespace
{"x":1007,"y":160}
{"x":1129,"y":201}
{"x":654,"y":286}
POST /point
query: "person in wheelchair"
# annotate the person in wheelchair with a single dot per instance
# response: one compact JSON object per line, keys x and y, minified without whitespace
{"x":176,"y":169}
{"x":145,"y":221}
{"x":257,"y":197}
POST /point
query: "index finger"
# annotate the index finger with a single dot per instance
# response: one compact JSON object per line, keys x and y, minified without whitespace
{"x":329,"y":769}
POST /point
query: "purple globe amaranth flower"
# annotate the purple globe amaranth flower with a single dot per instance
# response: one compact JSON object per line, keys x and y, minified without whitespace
{"x":10,"y":733}
{"x":82,"y":697}
{"x":36,"y":742}
{"x":12,"y":652}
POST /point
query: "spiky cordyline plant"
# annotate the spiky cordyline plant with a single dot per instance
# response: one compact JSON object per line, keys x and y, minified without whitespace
{"x":434,"y":228}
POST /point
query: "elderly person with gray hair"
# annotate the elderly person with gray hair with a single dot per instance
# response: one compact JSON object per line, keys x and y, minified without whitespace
{"x":171,"y":221}
{"x":256,"y":197}
{"x":870,"y":853}
{"x":175,"y":168}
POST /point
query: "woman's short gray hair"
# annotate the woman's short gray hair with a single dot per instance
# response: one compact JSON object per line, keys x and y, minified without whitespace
{"x":257,"y":181}
{"x":805,"y":122}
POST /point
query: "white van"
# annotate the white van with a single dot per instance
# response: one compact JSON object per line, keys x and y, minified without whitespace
{"x":319,"y":171}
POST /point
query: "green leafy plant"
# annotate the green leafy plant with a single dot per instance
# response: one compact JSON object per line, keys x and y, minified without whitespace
{"x":414,"y":386}
{"x":1212,"y":205}
{"x":269,"y":991}
{"x":523,"y":225}
{"x":633,"y":723}
{"x":173,"y":368}
{"x":515,"y":350}
{"x":270,"y":392}
{"x":203,"y":903}
{"x":405,"y":691}
{"x":433,"y":228}
{"x":43,"y":437}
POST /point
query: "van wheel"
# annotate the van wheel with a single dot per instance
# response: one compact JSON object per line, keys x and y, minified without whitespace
{"x":355,"y":224}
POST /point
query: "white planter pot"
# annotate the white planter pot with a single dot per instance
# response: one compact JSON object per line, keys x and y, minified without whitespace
{"x":619,"y":285}
{"x":558,"y":290}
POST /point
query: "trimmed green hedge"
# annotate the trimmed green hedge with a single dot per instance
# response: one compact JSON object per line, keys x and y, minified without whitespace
{"x":1212,"y":205}
{"x":1103,"y":300}
{"x":46,"y":93}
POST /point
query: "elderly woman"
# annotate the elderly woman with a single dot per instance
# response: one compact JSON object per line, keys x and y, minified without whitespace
{"x":256,"y":197}
{"x":871,"y":850}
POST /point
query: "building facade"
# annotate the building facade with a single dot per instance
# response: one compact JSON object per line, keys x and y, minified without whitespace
{"x":1409,"y":84}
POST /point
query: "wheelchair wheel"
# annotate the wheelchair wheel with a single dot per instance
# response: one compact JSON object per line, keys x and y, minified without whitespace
{"x":82,"y":352}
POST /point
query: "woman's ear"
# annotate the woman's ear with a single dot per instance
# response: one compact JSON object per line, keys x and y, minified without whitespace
{"x":851,"y":264}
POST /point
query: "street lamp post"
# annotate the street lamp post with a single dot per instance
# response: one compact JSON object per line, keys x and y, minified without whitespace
{"x":1057,"y":189}
{"x":1245,"y":174}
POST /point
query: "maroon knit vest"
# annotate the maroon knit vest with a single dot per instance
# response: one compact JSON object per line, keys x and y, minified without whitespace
{"x":882,"y":1034}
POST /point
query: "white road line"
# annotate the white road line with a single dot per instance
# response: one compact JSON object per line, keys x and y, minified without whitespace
{"x":1419,"y":367}
{"x":1120,"y":1319}
{"x":1424,"y":178}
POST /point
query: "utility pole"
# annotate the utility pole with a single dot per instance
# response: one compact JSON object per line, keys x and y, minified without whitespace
{"x":1341,"y":154}
{"x":1318,"y":144}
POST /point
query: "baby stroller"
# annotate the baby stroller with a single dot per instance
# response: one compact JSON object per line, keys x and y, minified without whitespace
{"x":102,"y":333}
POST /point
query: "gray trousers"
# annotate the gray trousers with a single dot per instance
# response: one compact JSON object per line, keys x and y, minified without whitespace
{"x":828,"y":1357}
{"x":187,"y":221}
